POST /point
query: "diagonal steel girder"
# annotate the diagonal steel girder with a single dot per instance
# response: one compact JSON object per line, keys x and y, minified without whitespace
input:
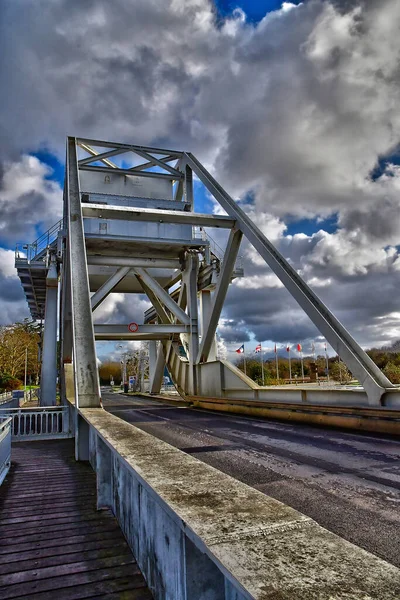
{"x":165,"y":298}
{"x":361,"y":365}
{"x":108,"y":286}
{"x":224,"y":279}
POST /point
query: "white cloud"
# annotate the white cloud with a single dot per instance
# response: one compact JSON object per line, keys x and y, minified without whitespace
{"x":294,"y":112}
{"x":27,"y":199}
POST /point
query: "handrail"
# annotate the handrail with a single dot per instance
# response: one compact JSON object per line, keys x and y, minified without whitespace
{"x":38,"y":246}
{"x":44,"y":422}
{"x":215,"y":249}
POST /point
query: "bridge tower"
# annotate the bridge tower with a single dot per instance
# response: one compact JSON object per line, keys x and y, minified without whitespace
{"x":130,"y":226}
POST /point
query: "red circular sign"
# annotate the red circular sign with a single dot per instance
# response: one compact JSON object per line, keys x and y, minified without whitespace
{"x":133,"y":327}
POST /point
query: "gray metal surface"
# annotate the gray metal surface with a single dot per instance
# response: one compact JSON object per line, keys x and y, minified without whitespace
{"x":86,"y":377}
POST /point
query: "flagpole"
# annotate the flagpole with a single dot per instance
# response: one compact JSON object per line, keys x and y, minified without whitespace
{"x":244,"y":360}
{"x":290,"y":366}
{"x":277,"y":368}
{"x":302,"y":364}
{"x":262,"y":364}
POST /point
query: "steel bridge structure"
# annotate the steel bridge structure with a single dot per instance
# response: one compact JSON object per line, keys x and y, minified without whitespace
{"x":129,"y":225}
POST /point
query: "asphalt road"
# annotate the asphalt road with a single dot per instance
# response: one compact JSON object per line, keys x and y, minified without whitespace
{"x":348,"y":482}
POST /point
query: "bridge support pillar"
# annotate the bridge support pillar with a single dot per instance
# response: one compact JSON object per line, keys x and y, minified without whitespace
{"x":205,"y":311}
{"x":49,"y":353}
{"x":152,"y":358}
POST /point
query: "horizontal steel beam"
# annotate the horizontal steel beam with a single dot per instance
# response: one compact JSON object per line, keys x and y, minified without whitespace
{"x":130,"y":172}
{"x":144,"y":332}
{"x":104,"y":144}
{"x":127,"y":213}
{"x":126,"y":261}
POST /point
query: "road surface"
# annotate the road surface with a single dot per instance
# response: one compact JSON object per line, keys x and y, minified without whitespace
{"x":348,"y":482}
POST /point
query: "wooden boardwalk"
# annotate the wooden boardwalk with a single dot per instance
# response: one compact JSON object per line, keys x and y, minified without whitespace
{"x":54,"y":544}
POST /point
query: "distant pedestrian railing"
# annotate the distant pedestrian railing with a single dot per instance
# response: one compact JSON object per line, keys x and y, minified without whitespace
{"x":42,"y":423}
{"x":5,"y":397}
{"x":5,"y":447}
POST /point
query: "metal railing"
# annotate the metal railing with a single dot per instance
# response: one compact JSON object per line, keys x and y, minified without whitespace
{"x":5,"y":397}
{"x":30,"y":252}
{"x":38,"y":423}
{"x":214,"y":248}
{"x":5,"y":447}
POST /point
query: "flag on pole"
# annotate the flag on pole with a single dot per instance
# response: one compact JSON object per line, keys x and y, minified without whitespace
{"x":288,"y":348}
{"x":325,"y":346}
{"x":275,"y":349}
{"x":241,"y":349}
{"x":258,"y":348}
{"x":299,"y":348}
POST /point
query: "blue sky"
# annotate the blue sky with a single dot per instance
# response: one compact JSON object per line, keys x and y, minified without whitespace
{"x":254,"y":9}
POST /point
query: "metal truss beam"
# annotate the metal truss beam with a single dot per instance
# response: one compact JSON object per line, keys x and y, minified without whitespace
{"x":126,"y":213}
{"x":158,"y":307}
{"x":149,"y":164}
{"x":360,"y":364}
{"x":131,"y":172}
{"x":104,"y":144}
{"x":87,"y":383}
{"x":165,"y":298}
{"x":108,"y":286}
{"x":157,"y":162}
{"x":126,"y":261}
{"x":224,"y":279}
{"x":96,"y":156}
{"x":101,"y":157}
{"x":145,"y":332}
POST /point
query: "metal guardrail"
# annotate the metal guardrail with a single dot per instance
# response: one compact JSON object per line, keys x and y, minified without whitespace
{"x":33,"y":251}
{"x":214,"y":248}
{"x":5,"y":447}
{"x":5,"y":397}
{"x":38,"y":423}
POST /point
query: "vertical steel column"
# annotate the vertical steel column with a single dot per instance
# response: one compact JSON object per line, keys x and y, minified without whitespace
{"x":86,"y":377}
{"x":48,"y":382}
{"x":152,"y":359}
{"x":190,"y":276}
{"x":65,"y":324}
{"x":157,"y":378}
{"x":205,"y":312}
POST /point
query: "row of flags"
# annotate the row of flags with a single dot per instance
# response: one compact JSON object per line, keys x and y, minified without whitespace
{"x":299,"y":348}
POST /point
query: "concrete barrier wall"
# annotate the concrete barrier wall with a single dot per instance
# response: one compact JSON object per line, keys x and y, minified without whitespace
{"x":200,"y":534}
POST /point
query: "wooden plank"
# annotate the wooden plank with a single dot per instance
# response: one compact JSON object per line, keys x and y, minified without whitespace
{"x":53,"y":584}
{"x":54,"y":543}
{"x":66,"y":570}
{"x":51,"y":542}
{"x":63,"y":553}
{"x":131,"y":588}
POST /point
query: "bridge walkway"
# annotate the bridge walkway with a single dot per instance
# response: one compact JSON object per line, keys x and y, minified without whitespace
{"x":53,"y":540}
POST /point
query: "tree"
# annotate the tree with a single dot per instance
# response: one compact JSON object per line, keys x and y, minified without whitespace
{"x":15,"y":339}
{"x":339,"y":372}
{"x":392,"y":372}
{"x":110,"y":370}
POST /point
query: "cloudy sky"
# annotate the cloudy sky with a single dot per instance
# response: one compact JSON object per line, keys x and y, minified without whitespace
{"x":293,"y":107}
